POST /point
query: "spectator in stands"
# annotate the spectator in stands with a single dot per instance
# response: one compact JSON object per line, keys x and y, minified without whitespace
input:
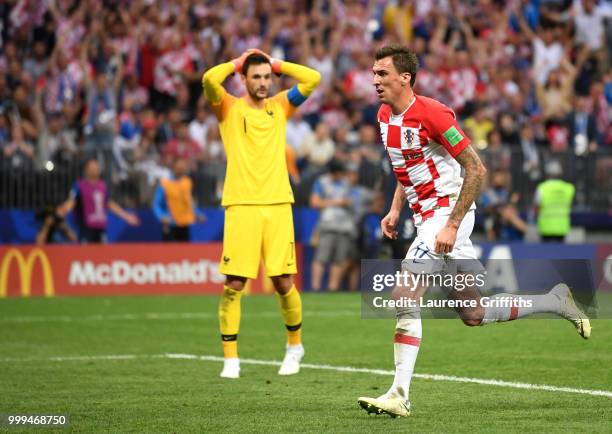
{"x":336,"y":228}
{"x":4,"y":131}
{"x":198,"y":127}
{"x":56,"y":143}
{"x":133,"y":95}
{"x":171,"y":69}
{"x":583,"y":134}
{"x":531,"y":154}
{"x":101,"y":122}
{"x":182,"y":146}
{"x":36,"y":63}
{"x":17,"y":152}
{"x":361,"y":203}
{"x":553,"y":204}
{"x":502,"y":220}
{"x":547,"y":50}
{"x":26,"y":112}
{"x":368,"y":157}
{"x":509,"y":129}
{"x":589,"y":31}
{"x":298,"y":129}
{"x":555,"y":95}
{"x":89,"y":197}
{"x":498,"y":155}
{"x":173,"y":203}
{"x":346,"y":144}
{"x":147,"y":160}
{"x":317,"y":150}
{"x":601,"y":98}
{"x":479,"y":126}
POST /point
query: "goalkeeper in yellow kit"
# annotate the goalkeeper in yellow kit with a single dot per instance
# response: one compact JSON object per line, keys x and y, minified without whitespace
{"x":257,"y":195}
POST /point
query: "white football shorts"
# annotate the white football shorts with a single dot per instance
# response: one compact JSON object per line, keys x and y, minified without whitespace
{"x":422,"y":257}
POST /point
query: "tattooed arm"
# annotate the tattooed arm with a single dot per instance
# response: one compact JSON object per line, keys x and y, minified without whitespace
{"x":472,"y":181}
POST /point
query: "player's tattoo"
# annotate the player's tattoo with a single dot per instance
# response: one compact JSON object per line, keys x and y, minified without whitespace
{"x":472,"y":181}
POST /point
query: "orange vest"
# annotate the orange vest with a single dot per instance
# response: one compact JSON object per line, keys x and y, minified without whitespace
{"x":179,"y":200}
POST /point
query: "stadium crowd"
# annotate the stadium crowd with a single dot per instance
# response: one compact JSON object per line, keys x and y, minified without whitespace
{"x":121,"y":80}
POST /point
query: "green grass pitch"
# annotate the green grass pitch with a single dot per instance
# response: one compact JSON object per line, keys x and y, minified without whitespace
{"x":150,"y":393}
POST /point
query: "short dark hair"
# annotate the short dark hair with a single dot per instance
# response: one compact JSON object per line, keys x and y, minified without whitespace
{"x":404,"y":60}
{"x":335,"y":166}
{"x":254,"y":59}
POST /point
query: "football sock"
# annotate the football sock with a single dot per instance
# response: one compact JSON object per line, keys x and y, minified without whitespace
{"x":229,"y":321}
{"x":508,"y":307}
{"x":291,"y":309}
{"x":407,"y":340}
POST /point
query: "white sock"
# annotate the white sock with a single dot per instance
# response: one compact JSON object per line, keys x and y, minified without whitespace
{"x":406,"y":348}
{"x":508,"y":307}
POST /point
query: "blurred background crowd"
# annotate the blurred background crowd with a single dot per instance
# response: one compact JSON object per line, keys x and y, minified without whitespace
{"x":120,"y":80}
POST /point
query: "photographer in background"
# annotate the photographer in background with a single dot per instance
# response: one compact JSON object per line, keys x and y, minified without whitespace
{"x":54,"y":228}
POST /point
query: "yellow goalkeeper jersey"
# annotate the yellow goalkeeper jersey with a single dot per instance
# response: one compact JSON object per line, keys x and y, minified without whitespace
{"x":254,"y":139}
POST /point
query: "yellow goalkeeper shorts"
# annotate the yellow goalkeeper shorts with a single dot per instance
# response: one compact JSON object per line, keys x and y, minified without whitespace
{"x":253,"y":232}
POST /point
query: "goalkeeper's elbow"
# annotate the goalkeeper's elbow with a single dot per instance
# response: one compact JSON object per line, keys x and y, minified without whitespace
{"x":310,"y":83}
{"x":207,"y":78}
{"x":315,"y":80}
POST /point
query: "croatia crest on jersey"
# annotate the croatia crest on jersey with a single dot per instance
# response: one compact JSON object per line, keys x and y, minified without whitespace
{"x":411,"y":138}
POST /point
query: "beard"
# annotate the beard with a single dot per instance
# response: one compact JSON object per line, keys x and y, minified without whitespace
{"x":253,"y":93}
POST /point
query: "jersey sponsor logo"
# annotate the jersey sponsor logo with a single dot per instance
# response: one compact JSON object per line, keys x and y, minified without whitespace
{"x":270,"y":113}
{"x":25,"y":268}
{"x":453,"y":136}
{"x":226,"y":259}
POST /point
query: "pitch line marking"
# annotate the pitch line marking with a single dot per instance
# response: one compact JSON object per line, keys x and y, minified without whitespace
{"x":160,"y":316}
{"x":208,"y":358}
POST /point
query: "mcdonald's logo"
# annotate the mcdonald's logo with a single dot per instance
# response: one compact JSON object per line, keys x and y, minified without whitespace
{"x":25,"y":267}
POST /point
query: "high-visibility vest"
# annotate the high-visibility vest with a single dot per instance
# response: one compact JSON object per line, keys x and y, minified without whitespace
{"x":555,"y":206}
{"x":179,"y":200}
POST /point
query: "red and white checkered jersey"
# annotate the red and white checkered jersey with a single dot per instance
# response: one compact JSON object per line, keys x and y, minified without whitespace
{"x":422,"y":144}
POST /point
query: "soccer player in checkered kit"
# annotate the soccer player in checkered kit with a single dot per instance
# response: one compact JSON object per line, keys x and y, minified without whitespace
{"x":428,"y":151}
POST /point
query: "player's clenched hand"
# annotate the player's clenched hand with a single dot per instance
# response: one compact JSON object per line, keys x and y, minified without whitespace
{"x":445,"y":239}
{"x":388,"y":224}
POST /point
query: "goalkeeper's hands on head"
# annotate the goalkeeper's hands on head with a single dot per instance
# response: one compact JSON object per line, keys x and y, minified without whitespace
{"x":276,"y":63}
{"x":239,"y":61}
